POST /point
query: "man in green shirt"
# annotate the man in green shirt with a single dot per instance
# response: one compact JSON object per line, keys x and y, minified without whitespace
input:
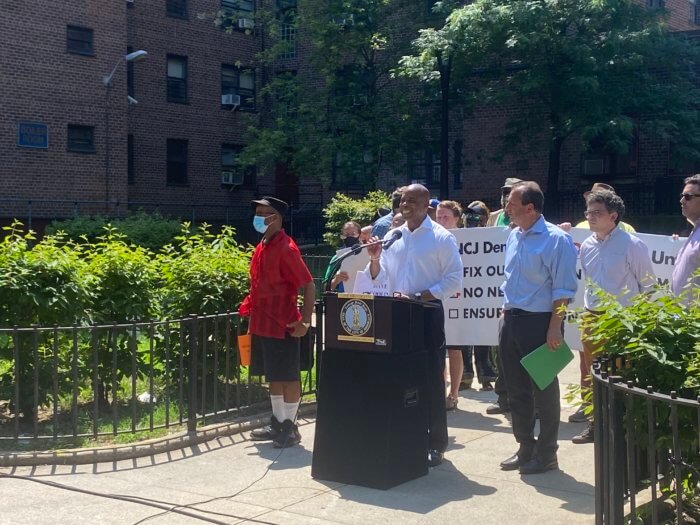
{"x":500,"y":217}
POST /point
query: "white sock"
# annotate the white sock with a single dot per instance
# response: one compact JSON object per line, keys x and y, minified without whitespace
{"x":278,"y":408}
{"x":291,"y":410}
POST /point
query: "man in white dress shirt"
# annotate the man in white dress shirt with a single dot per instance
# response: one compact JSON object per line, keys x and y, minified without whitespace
{"x":613,"y":260}
{"x":423,"y":264}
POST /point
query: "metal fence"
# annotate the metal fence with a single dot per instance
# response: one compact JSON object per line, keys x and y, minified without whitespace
{"x":104,"y":380}
{"x":646,"y":452}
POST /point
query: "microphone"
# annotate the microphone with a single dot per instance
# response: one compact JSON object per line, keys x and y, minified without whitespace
{"x":395,"y":236}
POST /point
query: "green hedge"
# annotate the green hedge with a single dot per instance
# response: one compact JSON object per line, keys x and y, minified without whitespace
{"x":152,"y":231}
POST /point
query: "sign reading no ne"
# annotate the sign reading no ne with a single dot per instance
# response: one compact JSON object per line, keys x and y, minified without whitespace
{"x":33,"y":135}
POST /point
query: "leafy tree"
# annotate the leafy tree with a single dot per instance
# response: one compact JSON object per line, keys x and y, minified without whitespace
{"x":598,"y":70}
{"x":342,"y":116}
{"x":342,"y":209}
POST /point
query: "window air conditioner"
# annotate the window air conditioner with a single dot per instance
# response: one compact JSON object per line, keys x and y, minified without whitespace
{"x":246,"y":23}
{"x":594,"y":167}
{"x":230,"y":100}
{"x":232,"y":178}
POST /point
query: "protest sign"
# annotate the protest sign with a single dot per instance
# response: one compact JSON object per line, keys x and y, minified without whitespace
{"x":471,"y":315}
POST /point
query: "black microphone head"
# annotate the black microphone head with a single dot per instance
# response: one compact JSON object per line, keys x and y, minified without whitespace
{"x":397,"y":234}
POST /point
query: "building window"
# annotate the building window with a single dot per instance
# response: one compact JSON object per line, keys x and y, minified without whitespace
{"x":241,"y":82}
{"x":286,"y":17}
{"x":81,"y":139}
{"x":232,"y":173}
{"x":284,"y":95}
{"x":238,"y":14}
{"x":177,"y":163}
{"x":424,"y":164}
{"x":79,"y":40}
{"x":656,"y":4}
{"x":176,"y":8}
{"x":177,"y":79}
{"x":130,"y":169}
{"x":601,"y":163}
{"x":694,"y":12}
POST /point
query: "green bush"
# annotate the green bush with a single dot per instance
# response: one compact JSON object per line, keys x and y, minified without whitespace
{"x":151,"y":231}
{"x":659,"y":337}
{"x":46,"y":284}
{"x":342,"y":209}
{"x":205,"y":272}
{"x":60,"y":282}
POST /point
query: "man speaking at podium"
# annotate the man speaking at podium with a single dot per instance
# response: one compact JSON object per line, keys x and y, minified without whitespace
{"x":422,"y":262}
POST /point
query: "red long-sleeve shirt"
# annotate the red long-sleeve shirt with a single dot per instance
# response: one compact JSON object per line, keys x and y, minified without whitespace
{"x":277,"y":271}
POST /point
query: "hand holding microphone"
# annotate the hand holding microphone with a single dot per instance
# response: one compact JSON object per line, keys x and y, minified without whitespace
{"x":375,"y":245}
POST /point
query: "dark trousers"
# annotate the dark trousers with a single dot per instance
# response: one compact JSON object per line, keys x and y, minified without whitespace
{"x":435,"y":349}
{"x":499,"y":387}
{"x":520,"y":333}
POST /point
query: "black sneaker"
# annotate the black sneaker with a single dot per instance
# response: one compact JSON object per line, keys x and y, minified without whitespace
{"x":288,"y":437}
{"x":584,"y":437}
{"x":582,"y":415}
{"x":268,"y":432}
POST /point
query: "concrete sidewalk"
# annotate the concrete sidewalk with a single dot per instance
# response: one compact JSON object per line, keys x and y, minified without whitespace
{"x":232,"y":480}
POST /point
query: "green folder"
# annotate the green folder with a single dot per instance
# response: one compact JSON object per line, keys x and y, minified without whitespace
{"x":543,"y":364}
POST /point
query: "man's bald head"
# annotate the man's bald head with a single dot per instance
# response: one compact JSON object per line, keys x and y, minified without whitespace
{"x":419,"y":190}
{"x":414,"y":205}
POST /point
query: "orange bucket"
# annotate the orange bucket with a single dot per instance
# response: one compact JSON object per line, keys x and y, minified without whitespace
{"x":244,"y":349}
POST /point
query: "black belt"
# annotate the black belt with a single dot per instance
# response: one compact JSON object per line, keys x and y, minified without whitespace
{"x":519,"y":312}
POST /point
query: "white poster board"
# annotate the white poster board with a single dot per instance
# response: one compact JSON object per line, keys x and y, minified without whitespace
{"x":471,"y":315}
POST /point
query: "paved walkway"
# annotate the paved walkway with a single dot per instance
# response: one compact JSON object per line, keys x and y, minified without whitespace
{"x":232,"y":480}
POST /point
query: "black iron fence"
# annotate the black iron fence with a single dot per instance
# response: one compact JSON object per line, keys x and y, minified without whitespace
{"x":105,"y":380}
{"x":647,"y":452}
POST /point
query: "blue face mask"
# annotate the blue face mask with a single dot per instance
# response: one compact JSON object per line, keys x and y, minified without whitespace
{"x":259,"y":224}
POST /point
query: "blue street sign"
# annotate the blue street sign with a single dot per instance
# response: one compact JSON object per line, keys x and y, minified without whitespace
{"x":33,"y":135}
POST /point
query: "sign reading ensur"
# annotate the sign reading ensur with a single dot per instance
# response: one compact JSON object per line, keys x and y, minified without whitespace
{"x":472,"y":314}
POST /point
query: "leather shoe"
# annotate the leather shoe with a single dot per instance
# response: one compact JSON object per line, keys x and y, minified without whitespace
{"x":434,"y":458}
{"x":513,"y":462}
{"x":497,"y":409}
{"x":537,"y":465}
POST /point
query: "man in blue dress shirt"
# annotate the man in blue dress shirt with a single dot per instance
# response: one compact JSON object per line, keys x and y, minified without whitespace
{"x":540,"y":280}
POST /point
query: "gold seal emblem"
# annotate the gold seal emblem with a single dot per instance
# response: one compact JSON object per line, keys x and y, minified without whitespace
{"x":356,"y":317}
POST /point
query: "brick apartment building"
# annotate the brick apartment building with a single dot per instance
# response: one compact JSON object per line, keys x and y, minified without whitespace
{"x":165,"y":132}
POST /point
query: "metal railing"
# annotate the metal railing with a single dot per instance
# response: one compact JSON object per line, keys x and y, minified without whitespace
{"x":646,"y":451}
{"x":59,"y":383}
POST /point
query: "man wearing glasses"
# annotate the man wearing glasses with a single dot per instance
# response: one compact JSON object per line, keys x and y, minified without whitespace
{"x":614,"y":261}
{"x":688,"y":260}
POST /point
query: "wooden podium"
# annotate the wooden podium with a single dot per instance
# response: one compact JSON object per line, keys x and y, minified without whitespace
{"x":372,"y":416}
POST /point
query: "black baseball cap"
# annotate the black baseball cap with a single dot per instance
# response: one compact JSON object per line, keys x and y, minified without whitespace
{"x":278,"y":205}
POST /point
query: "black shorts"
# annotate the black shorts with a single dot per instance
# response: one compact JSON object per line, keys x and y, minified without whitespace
{"x":276,"y":359}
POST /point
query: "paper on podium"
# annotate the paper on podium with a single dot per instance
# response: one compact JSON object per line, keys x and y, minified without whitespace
{"x":352,"y":265}
{"x":544,"y":365}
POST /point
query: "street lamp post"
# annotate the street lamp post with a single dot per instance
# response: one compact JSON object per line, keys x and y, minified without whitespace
{"x":107,"y":81}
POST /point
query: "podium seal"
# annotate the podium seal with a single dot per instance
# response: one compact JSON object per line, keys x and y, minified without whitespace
{"x":356,"y":318}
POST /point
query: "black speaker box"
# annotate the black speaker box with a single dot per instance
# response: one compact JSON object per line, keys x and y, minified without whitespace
{"x":372,"y":418}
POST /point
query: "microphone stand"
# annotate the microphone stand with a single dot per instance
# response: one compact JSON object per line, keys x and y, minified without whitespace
{"x":353,"y":251}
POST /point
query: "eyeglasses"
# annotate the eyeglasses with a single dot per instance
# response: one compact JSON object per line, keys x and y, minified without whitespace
{"x":689,"y":196}
{"x":593,"y":213}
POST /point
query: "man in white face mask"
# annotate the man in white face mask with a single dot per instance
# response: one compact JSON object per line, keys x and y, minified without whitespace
{"x":277,"y":271}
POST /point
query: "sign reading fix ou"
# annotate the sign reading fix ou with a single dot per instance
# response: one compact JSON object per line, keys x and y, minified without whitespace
{"x":33,"y":135}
